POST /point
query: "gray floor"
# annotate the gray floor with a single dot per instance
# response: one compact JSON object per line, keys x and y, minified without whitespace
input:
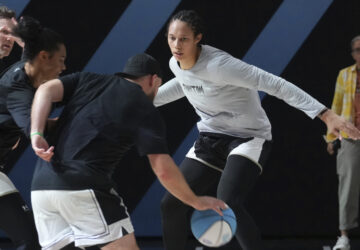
{"x":271,"y":244}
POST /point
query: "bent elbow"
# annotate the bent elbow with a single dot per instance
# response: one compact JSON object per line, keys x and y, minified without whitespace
{"x":163,"y":174}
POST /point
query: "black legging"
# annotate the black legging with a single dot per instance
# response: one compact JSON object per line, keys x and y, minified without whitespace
{"x":232,"y":186}
{"x":17,"y":221}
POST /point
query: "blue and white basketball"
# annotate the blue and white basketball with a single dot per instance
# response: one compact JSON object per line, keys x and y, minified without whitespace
{"x":211,"y":229}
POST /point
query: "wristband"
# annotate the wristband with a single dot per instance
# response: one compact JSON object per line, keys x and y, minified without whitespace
{"x":322,"y":112}
{"x":36,"y":133}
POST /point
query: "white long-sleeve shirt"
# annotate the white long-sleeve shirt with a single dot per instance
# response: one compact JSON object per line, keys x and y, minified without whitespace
{"x":224,"y":92}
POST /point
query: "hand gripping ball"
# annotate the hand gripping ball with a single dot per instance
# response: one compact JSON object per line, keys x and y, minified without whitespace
{"x":212,"y":229}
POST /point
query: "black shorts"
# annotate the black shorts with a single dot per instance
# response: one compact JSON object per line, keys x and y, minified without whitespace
{"x":213,"y":149}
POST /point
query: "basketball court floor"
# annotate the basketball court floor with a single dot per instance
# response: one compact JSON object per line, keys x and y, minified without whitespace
{"x":271,"y":244}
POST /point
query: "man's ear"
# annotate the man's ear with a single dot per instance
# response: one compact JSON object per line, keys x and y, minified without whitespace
{"x":152,"y":80}
{"x":43,"y":55}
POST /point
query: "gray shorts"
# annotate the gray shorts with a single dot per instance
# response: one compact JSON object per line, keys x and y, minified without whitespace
{"x":85,"y":217}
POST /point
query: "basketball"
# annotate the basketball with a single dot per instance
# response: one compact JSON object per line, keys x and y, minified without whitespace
{"x":211,"y":229}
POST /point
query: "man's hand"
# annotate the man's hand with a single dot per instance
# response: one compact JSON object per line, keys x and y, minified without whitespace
{"x":41,"y":147}
{"x":15,"y":38}
{"x":207,"y":202}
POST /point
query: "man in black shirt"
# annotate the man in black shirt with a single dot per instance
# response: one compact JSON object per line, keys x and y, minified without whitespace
{"x":10,"y":139}
{"x":104,"y":115}
{"x":7,"y":23}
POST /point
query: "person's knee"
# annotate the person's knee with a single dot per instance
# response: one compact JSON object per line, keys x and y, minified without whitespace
{"x":232,"y":200}
{"x":237,"y":180}
{"x":226,"y":195}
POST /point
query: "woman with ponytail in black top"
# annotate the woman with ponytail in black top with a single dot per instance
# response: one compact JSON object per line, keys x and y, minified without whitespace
{"x":43,"y":59}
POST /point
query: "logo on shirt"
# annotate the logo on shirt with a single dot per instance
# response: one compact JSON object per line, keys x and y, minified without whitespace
{"x":196,"y":89}
{"x":25,"y":208}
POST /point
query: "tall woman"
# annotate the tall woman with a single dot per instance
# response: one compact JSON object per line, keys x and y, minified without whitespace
{"x":235,"y":133}
{"x":43,"y":59}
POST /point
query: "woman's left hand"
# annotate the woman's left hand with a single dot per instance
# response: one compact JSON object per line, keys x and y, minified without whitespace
{"x":336,"y":123}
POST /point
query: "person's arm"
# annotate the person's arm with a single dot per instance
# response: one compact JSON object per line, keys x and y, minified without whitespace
{"x":168,"y":92}
{"x":57,"y":90}
{"x":47,"y":93}
{"x":18,"y":103}
{"x":337,"y":106}
{"x":238,"y":73}
{"x":337,"y":103}
{"x":172,"y":179}
{"x":336,"y":123}
{"x":235,"y":72}
{"x":19,"y":97}
{"x":150,"y":141}
{"x":17,"y":39}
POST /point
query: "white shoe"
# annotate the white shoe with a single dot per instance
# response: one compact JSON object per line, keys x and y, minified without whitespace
{"x":343,"y":243}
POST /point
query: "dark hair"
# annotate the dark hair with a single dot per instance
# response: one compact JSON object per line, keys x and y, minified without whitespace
{"x":191,"y":18}
{"x":5,"y":12}
{"x":36,"y":37}
{"x":354,"y":40}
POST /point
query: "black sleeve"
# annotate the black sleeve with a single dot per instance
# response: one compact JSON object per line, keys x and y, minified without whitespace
{"x":151,"y":136}
{"x":19,"y":102}
{"x":70,"y":83}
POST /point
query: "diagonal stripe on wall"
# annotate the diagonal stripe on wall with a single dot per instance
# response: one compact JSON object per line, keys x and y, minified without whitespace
{"x":17,"y":5}
{"x":132,"y":34}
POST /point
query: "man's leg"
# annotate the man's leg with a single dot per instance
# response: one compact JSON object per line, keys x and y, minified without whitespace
{"x":127,"y":242}
{"x":53,"y":230}
{"x":348,"y":170}
{"x":96,"y":218}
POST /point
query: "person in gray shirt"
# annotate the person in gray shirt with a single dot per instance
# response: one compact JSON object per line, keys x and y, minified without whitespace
{"x":235,"y":132}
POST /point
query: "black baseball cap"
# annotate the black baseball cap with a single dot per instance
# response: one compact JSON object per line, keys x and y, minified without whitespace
{"x":141,"y":65}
